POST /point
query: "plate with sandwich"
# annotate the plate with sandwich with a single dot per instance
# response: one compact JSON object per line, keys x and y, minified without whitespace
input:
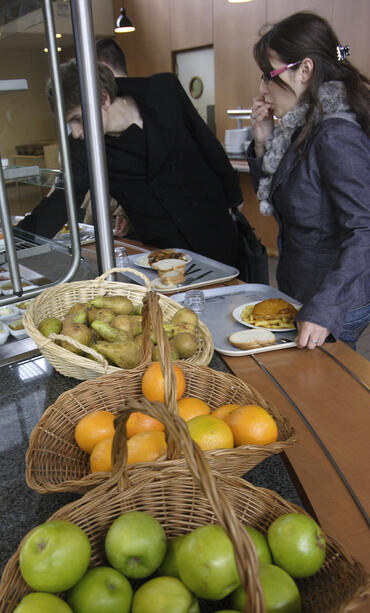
{"x":273,"y":314}
{"x":146,"y":260}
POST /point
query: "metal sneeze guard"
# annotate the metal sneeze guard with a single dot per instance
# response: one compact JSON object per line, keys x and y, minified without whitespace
{"x":86,"y":59}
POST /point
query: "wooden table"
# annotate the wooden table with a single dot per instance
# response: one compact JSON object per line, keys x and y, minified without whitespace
{"x":337,"y":407}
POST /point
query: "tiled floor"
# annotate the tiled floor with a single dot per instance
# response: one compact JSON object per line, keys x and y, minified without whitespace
{"x":363,"y":345}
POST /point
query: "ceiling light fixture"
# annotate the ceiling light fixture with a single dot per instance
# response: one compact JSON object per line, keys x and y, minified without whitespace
{"x":47,"y":50}
{"x":240,"y":1}
{"x":123,"y":23}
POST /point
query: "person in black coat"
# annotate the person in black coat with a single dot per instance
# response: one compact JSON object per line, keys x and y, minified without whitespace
{"x":165,"y":166}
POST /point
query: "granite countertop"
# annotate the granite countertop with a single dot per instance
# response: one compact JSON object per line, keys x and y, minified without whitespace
{"x":27,"y":389}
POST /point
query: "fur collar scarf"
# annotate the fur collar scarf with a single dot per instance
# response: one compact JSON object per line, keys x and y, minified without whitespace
{"x":333,"y":99}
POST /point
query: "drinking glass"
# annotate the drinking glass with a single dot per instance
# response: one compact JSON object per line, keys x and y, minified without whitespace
{"x":121,"y":257}
{"x":194,"y":299}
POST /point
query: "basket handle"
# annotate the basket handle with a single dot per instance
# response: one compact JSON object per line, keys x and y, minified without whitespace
{"x":156,"y":318}
{"x":177,"y":431}
{"x":97,"y":356}
{"x":128,"y":269}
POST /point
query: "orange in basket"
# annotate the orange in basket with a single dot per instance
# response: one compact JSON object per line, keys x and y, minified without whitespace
{"x":93,"y":428}
{"x":252,"y":425}
{"x":153,"y":382}
{"x":192,"y":407}
{"x":146,"y":447}
{"x":100,"y":458}
{"x":210,"y":432}
{"x":138,"y":422}
{"x":225,"y":410}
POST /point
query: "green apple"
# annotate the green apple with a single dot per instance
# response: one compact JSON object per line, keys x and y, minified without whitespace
{"x":279,"y":589}
{"x":297,"y":544}
{"x":206,"y":563}
{"x":169,"y":564}
{"x":135,"y":544}
{"x":101,"y":589}
{"x":54,"y":556}
{"x":164,"y":595}
{"x":261,"y":545}
{"x":39,"y":602}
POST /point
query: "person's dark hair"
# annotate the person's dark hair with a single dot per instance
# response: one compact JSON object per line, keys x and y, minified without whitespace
{"x":71,"y":85}
{"x":303,"y":35}
{"x":109,"y":52}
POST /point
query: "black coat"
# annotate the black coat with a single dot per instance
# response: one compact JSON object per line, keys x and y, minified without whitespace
{"x":189,"y":183}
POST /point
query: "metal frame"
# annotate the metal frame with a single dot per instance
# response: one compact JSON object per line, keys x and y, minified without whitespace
{"x":86,"y":56}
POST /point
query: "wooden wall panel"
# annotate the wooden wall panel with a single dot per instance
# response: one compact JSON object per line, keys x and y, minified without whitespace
{"x":235,"y":30}
{"x":191,"y":24}
{"x":277,"y":10}
{"x":351,"y":22}
{"x":148,"y":48}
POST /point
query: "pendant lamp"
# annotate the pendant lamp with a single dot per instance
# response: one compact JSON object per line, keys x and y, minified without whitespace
{"x":123,"y":24}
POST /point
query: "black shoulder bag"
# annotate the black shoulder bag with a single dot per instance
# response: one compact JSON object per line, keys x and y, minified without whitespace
{"x":252,"y":255}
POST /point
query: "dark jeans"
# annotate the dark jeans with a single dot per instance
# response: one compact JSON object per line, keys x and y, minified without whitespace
{"x":355,"y":324}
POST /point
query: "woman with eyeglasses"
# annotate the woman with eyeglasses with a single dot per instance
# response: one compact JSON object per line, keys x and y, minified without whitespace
{"x":310,"y":165}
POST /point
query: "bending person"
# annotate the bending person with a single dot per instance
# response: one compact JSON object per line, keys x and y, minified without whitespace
{"x":312,"y":172}
{"x":164,"y":164}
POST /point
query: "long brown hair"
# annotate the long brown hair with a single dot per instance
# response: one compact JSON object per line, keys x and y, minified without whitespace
{"x":303,"y":35}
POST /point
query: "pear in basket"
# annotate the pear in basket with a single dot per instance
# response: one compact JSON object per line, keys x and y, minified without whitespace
{"x":112,"y":335}
{"x":156,"y":354}
{"x":185,"y":316}
{"x":123,"y":323}
{"x":101,"y":314}
{"x":50,"y":325}
{"x":185,"y":344}
{"x":118,"y":304}
{"x":79,"y":332}
{"x":126,"y":354}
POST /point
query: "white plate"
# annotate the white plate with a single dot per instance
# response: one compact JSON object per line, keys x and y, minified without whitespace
{"x":142,"y":260}
{"x":237,"y":314}
{"x":157,"y":284}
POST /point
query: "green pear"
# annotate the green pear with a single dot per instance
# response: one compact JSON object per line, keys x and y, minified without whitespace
{"x":138,"y":309}
{"x":80,"y":317}
{"x":179,"y":328}
{"x":136,"y":324}
{"x":108,"y":333}
{"x":125,"y":354}
{"x":185,"y":316}
{"x":79,"y":332}
{"x":155,"y":353}
{"x":185,"y":344}
{"x":120,"y":305}
{"x":50,"y":325}
{"x":103,"y":315}
{"x":79,"y":306}
{"x":123,"y":323}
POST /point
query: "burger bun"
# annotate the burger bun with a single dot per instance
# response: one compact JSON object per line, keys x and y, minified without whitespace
{"x":252,"y":339}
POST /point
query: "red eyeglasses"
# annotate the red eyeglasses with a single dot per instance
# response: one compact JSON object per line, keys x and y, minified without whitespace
{"x":267,"y":77}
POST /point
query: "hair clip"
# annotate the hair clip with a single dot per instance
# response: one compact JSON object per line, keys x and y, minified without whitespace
{"x":342,"y":52}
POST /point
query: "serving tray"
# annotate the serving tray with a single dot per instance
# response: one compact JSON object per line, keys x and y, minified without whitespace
{"x":213,"y":271}
{"x":217,"y":315}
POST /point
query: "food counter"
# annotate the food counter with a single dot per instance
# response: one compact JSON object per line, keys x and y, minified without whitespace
{"x":334,"y":403}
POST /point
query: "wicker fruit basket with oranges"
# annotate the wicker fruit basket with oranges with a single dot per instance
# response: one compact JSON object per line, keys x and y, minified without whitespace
{"x":55,"y":462}
{"x":184,"y":498}
{"x":56,"y":302}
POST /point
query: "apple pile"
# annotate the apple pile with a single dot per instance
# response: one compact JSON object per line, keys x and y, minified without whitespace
{"x":171,"y":575}
{"x":112,"y":326}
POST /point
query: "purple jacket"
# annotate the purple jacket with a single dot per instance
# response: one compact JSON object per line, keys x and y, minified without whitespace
{"x":322,"y":205}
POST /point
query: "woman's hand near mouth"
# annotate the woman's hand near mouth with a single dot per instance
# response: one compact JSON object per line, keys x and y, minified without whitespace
{"x":262,"y":121}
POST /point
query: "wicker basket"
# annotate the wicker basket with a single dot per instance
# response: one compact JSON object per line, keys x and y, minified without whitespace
{"x":174,"y":497}
{"x":56,"y":302}
{"x":54,"y":461}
